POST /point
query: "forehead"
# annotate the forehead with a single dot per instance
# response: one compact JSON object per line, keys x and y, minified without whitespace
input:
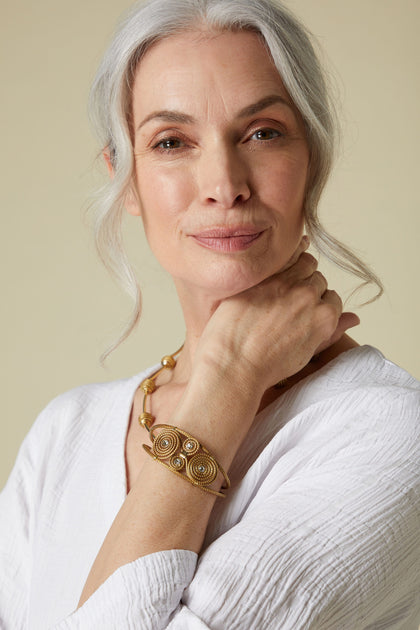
{"x":224,"y":70}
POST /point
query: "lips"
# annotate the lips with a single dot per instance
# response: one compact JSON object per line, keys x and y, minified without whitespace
{"x":228,"y":239}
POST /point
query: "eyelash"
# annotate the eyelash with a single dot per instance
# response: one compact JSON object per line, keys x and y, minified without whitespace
{"x":158,"y":145}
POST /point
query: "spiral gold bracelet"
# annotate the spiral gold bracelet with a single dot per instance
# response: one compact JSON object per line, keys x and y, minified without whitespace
{"x":183,"y":455}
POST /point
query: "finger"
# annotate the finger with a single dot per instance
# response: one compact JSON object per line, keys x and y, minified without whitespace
{"x":345,"y":322}
{"x":330,"y":311}
{"x":331,"y":297}
{"x":318,"y":281}
{"x":302,"y":247}
{"x":302,"y":269}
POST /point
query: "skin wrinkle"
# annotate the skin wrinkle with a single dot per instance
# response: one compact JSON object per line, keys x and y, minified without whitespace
{"x":248,"y":111}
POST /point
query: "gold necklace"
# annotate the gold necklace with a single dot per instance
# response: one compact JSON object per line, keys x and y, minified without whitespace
{"x":148,"y":386}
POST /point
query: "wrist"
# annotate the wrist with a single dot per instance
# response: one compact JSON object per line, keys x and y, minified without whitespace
{"x":218,"y":408}
{"x":225,"y":368}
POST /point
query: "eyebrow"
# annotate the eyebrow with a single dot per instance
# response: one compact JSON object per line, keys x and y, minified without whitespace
{"x":250,"y":110}
{"x":263,"y":103}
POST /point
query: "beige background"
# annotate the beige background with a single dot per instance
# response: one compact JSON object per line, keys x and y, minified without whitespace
{"x":58,"y":306}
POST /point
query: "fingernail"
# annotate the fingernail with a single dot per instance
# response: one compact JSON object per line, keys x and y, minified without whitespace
{"x":306,"y":241}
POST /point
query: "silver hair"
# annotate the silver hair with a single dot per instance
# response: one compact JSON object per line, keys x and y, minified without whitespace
{"x":290,"y":46}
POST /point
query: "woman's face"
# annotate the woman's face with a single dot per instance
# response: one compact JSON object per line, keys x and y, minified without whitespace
{"x":221,"y":161}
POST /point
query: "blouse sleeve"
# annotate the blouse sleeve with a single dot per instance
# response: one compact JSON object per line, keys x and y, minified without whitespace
{"x":144,"y":594}
{"x":16,"y":534}
{"x":335,"y":545}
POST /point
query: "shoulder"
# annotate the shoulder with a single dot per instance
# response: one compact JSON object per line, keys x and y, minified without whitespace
{"x":381,"y":398}
{"x":354,"y":423}
{"x":367,"y":412}
{"x":359,"y":389}
{"x":90,"y":398}
{"x":86,"y":402}
{"x":74,"y":418}
{"x":365,"y":366}
{"x":357,"y":405}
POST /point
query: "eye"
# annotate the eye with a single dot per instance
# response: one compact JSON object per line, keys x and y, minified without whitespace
{"x":265,"y":134}
{"x":169,"y":144}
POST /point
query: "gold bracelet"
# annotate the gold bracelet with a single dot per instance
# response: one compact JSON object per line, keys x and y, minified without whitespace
{"x":187,"y":457}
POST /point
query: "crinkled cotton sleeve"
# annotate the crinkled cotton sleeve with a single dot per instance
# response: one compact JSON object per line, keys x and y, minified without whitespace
{"x":17,"y":501}
{"x":334,"y":546}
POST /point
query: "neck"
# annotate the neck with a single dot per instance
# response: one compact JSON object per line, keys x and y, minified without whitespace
{"x":197,"y":309}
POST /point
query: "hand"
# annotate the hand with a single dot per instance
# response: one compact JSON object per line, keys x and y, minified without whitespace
{"x":272,"y":330}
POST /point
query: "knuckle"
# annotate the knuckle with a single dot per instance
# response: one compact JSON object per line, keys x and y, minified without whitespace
{"x":335,"y":298}
{"x":309,"y":259}
{"x":339,"y":301}
{"x":319,"y":279}
{"x":306,"y":294}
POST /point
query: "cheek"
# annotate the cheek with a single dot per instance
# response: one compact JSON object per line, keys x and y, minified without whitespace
{"x":164,"y":193}
{"x":282,"y":187}
{"x":292,"y":174}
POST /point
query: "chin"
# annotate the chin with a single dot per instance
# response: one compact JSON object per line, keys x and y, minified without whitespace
{"x":226,"y":282}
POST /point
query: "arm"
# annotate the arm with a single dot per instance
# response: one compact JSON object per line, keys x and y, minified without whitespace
{"x":16,"y":533}
{"x":15,"y":548}
{"x":233,"y":367}
{"x":162,"y":511}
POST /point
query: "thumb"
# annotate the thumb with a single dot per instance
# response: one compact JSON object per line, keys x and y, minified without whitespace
{"x":346,"y":321}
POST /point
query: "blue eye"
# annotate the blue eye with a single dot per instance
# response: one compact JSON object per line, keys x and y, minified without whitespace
{"x":266,"y":134}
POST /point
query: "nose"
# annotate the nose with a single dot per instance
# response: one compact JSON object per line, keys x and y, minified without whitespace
{"x":223,"y":177}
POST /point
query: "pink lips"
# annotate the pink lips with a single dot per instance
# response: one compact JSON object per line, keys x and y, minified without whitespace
{"x":225,"y":239}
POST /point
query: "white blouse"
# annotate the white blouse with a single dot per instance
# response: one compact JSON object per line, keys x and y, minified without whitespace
{"x":320,"y":529}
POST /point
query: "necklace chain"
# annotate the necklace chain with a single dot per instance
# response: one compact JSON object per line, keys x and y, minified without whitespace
{"x":148,"y":386}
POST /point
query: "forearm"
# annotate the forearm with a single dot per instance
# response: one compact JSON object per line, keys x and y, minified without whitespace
{"x":163,"y":511}
{"x":232,"y":368}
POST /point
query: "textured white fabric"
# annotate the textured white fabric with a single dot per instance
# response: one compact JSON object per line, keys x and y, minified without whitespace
{"x":319,"y":531}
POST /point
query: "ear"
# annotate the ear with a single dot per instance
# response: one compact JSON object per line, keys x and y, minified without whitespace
{"x":108,"y":161}
{"x":131,"y":201}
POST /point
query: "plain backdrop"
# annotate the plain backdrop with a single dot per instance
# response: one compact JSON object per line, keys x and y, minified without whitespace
{"x":60,"y":309}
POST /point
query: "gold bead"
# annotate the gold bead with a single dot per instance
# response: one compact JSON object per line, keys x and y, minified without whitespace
{"x":146,"y":420}
{"x":168,"y":362}
{"x":148,"y":385}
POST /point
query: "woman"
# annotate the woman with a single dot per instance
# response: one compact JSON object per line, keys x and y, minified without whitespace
{"x":217,"y":133}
